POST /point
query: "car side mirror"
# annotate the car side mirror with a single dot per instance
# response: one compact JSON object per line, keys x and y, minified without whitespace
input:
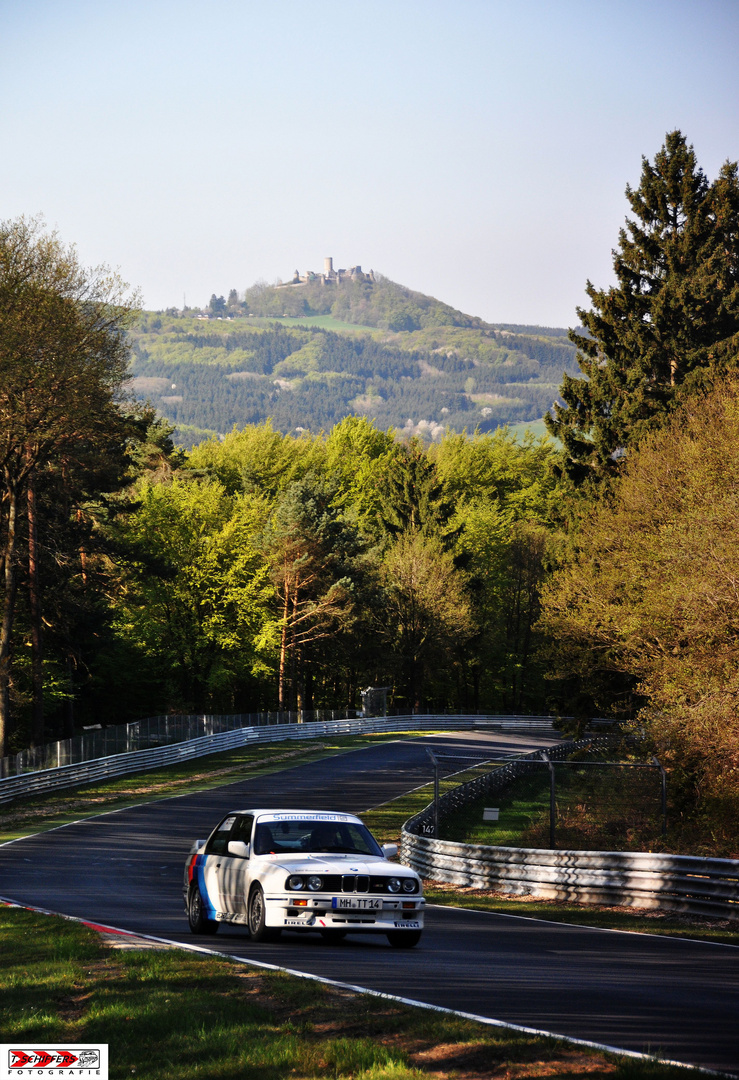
{"x":389,"y":850}
{"x":239,"y":849}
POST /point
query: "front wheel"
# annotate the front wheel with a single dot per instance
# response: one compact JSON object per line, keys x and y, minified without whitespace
{"x":403,"y":939}
{"x":256,"y":917}
{"x":197,"y":914}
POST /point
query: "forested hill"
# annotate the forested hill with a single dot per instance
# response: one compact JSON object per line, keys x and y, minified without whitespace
{"x":380,"y":303}
{"x":308,"y":356}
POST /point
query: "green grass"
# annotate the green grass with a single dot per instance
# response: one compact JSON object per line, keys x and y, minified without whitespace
{"x":534,"y":427}
{"x":324,"y":322}
{"x":521,"y":807}
{"x":171,"y":1015}
{"x":596,"y":810}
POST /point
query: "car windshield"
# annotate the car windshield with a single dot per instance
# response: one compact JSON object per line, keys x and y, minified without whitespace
{"x":304,"y":835}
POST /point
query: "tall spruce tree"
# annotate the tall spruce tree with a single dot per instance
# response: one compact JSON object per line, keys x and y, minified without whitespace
{"x":670,"y":325}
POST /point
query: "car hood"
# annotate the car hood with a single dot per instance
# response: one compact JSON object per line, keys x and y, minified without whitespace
{"x":333,"y":864}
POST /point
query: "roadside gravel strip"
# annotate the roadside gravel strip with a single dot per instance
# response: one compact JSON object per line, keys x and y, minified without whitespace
{"x":675,"y":999}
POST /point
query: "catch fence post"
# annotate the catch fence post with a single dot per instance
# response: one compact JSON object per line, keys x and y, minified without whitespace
{"x":435,"y":761}
{"x":552,"y":800}
{"x":664,"y":794}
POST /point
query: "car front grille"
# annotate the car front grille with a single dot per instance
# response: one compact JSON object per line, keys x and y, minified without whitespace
{"x":356,"y":883}
{"x":352,"y":883}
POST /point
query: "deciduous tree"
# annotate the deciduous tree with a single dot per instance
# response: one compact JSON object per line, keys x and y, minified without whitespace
{"x":197,"y":593}
{"x":63,"y":360}
{"x":427,"y":614}
{"x":647,"y":610}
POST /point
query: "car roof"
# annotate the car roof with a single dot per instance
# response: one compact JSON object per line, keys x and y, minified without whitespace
{"x":297,"y":815}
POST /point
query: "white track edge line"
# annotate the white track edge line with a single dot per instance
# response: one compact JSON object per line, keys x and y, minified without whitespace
{"x":487,"y":1020}
{"x":584,"y":926}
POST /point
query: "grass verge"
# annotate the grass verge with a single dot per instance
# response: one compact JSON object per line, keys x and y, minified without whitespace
{"x":386,"y":822}
{"x":169,"y":1015}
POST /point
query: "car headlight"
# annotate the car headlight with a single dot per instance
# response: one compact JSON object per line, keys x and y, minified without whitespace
{"x":393,"y":884}
{"x":295,"y":882}
{"x":409,"y":884}
{"x":315,"y":884}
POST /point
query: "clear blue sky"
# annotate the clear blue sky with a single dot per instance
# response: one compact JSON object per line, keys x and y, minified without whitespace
{"x":476,"y":150}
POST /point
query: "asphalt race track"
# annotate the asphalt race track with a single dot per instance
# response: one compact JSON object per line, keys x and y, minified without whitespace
{"x":678,"y":999}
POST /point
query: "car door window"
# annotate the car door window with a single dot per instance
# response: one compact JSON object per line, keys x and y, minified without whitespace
{"x":242,"y":828}
{"x":218,"y":842}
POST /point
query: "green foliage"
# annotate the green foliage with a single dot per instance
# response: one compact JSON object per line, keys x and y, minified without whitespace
{"x":412,"y":496}
{"x":64,"y":437}
{"x":645,"y":611}
{"x":196,"y":603}
{"x":508,"y":506}
{"x":427,"y":614}
{"x":316,"y":554}
{"x":671,"y":324}
{"x":255,"y":459}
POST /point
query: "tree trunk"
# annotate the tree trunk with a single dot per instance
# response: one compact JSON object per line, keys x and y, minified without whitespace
{"x":283,"y":649}
{"x":83,"y":553}
{"x":8,"y":612}
{"x":34,"y":605}
{"x":299,"y":685}
{"x":69,"y":703}
{"x":293,"y":650}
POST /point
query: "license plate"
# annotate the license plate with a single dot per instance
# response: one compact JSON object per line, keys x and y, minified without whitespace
{"x":355,"y":903}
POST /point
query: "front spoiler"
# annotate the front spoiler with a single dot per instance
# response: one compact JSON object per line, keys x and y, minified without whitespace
{"x":281,"y":911}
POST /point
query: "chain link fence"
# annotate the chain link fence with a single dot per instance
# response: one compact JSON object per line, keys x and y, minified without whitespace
{"x":606,"y":796}
{"x":157,"y":731}
{"x":151,"y":732}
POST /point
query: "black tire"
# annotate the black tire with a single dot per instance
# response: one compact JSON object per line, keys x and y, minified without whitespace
{"x":403,"y":939}
{"x":196,"y":917}
{"x":333,"y":937}
{"x":258,"y":930}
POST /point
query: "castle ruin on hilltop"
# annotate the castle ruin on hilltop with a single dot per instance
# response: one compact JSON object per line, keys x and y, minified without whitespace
{"x":328,"y":277}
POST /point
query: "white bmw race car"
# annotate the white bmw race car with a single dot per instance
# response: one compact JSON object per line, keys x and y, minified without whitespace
{"x":275,"y":870}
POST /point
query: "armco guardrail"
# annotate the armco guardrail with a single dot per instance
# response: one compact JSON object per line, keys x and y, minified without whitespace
{"x":683,"y":883}
{"x":154,"y":731}
{"x":88,"y":772}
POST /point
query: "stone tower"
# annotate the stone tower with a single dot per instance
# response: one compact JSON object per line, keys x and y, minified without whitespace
{"x":328,"y":265}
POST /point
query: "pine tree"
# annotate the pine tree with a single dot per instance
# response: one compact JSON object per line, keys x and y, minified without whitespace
{"x":670,"y":325}
{"x":412,"y":497}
